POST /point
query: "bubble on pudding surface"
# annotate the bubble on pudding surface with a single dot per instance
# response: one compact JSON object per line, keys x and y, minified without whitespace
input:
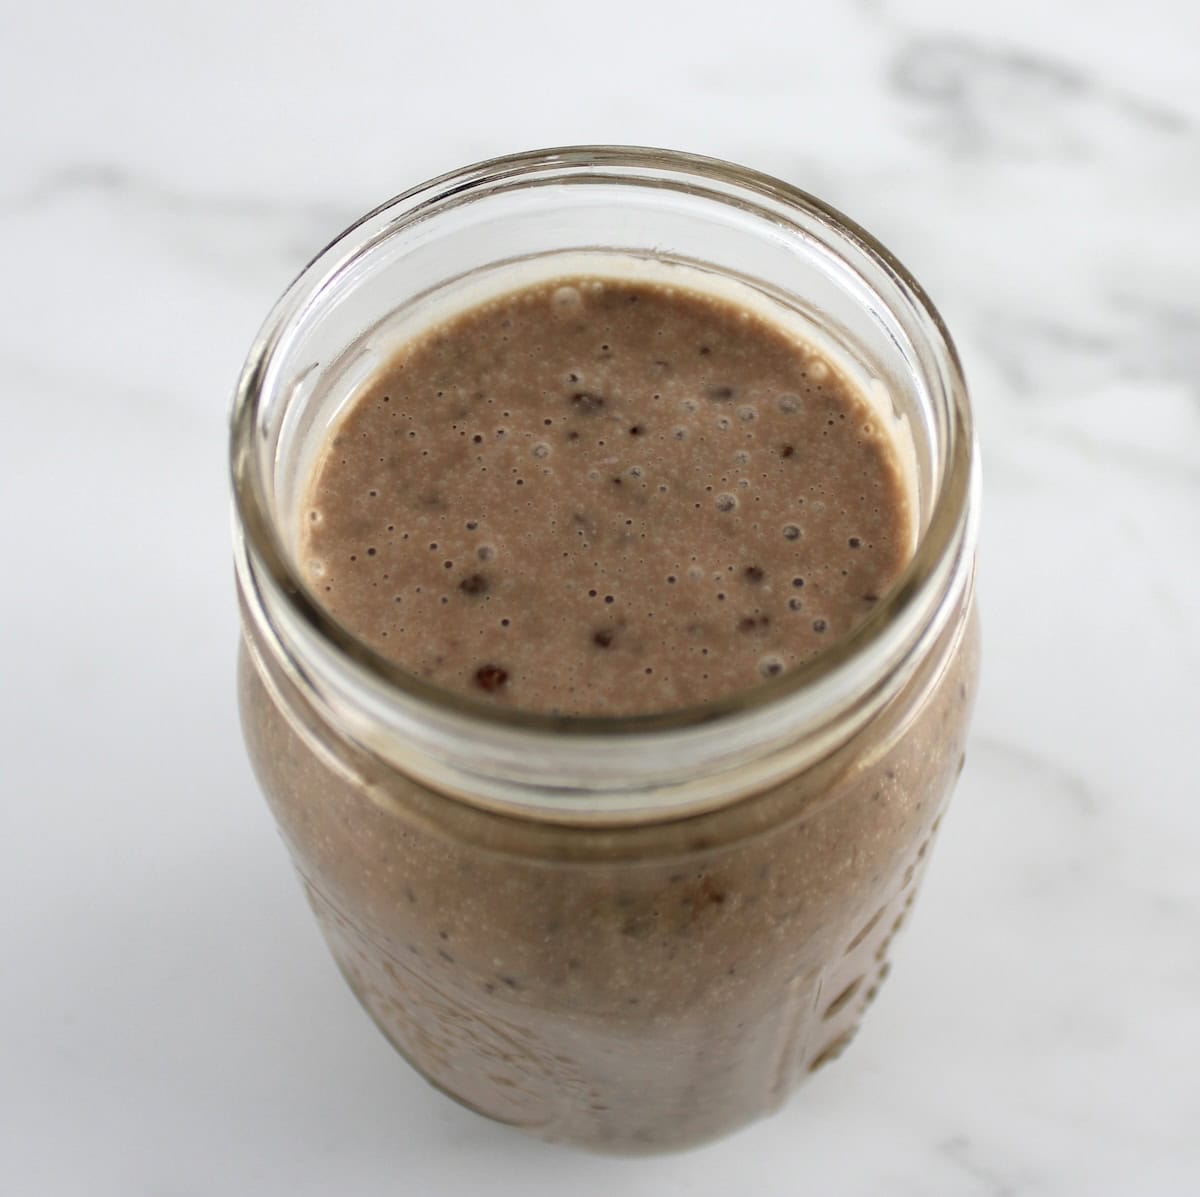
{"x":789,"y":404}
{"x":566,"y":301}
{"x":315,"y":516}
{"x":747,"y":413}
{"x":818,"y":370}
{"x":316,"y":567}
{"x":541,"y":449}
{"x":770,"y":666}
{"x":791,"y":532}
{"x":725,"y":502}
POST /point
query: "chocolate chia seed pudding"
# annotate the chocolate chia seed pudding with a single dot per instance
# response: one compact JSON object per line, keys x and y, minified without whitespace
{"x":607,"y":507}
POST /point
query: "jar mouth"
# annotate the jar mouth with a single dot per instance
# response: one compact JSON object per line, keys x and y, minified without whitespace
{"x":269,"y":576}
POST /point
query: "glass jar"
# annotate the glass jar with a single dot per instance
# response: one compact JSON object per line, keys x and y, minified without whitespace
{"x":639,"y":933}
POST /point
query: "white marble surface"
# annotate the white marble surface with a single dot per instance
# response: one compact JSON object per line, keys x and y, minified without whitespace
{"x":169,"y":1022}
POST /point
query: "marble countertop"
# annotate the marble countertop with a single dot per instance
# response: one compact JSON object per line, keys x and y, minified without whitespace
{"x":171,"y":1022}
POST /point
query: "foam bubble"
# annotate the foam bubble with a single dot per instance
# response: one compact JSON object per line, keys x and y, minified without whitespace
{"x":566,"y":301}
{"x":725,"y":502}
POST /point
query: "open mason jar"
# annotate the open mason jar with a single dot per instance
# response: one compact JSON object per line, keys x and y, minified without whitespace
{"x":638,"y":933}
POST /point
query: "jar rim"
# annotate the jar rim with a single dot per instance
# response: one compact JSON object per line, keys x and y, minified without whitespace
{"x":271,"y":564}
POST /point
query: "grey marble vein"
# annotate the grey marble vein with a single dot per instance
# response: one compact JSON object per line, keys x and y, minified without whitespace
{"x":1128,"y":336}
{"x":224,"y":229}
{"x":983,"y":98}
{"x":145,"y":191}
{"x":1071,"y":785}
{"x":985,"y":1177}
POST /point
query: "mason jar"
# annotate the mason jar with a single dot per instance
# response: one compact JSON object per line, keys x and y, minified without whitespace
{"x":631,"y":934}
